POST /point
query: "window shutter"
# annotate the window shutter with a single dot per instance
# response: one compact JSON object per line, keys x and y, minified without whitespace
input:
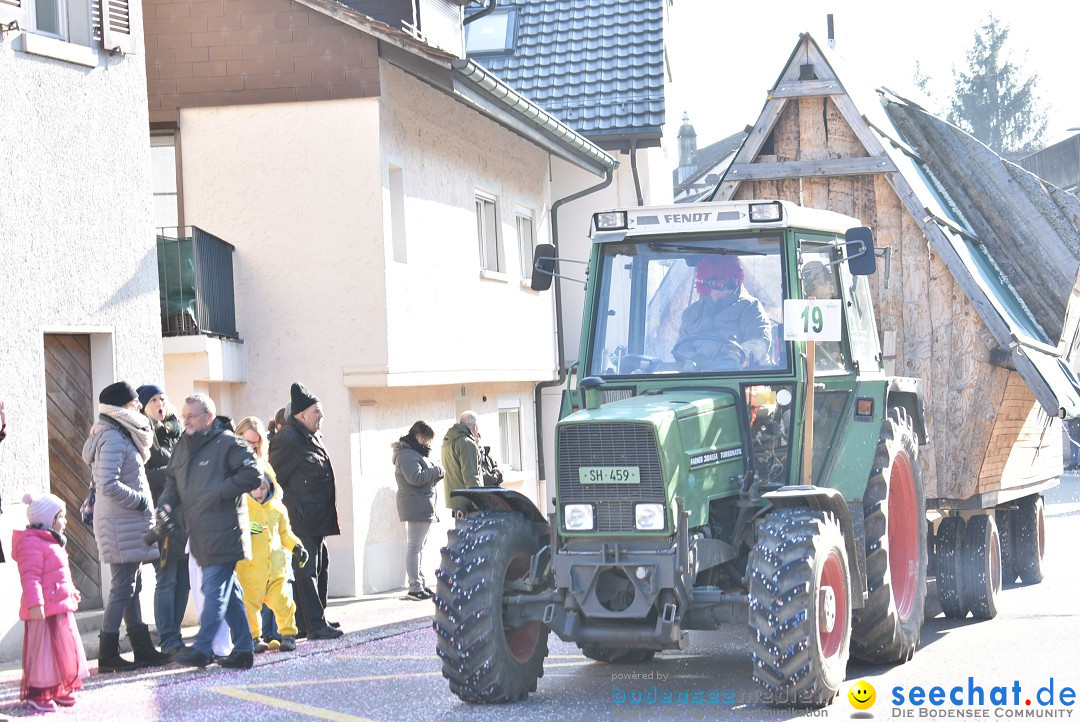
{"x":116,"y":34}
{"x":13,"y":11}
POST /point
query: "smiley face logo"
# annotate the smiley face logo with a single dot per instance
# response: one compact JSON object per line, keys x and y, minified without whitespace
{"x":862,"y":695}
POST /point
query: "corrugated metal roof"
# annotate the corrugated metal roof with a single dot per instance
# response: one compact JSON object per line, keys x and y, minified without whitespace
{"x":596,"y":65}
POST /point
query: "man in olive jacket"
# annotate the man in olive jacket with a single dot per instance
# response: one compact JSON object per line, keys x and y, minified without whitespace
{"x":209,"y":472}
{"x":461,"y":460}
{"x":306,"y":477}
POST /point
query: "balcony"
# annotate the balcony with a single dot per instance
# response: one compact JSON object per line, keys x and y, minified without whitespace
{"x":198,"y":311}
{"x":195,"y":280}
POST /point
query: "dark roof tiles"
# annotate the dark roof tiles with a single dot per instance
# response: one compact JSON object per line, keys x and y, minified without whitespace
{"x":596,"y":65}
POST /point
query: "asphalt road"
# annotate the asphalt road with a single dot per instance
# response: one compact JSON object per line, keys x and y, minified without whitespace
{"x":1033,"y":641}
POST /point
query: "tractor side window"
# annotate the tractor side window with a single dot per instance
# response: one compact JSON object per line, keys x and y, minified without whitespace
{"x":819,"y":281}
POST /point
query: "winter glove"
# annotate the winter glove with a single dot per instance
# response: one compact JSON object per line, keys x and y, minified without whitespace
{"x":301,"y":555}
{"x":257,"y":528}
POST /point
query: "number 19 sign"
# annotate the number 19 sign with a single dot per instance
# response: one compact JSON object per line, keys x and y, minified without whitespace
{"x":812,"y":320}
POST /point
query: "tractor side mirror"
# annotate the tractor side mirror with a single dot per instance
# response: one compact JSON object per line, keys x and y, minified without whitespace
{"x":543,"y":269}
{"x":859,"y":244}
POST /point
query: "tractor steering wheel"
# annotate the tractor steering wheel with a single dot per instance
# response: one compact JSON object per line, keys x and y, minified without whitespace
{"x":727,"y":354}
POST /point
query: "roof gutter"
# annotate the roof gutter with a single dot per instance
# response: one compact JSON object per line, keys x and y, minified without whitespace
{"x":578,"y":148}
{"x":558,"y":380}
{"x":486,"y":11}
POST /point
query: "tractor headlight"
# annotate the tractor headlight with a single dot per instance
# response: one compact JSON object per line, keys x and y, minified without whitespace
{"x":649,"y":517}
{"x":579,"y":517}
{"x":766,"y":212}
{"x":610,"y":220}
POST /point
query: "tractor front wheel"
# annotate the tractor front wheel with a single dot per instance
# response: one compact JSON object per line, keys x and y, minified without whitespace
{"x":800,"y":607}
{"x":485,"y":659}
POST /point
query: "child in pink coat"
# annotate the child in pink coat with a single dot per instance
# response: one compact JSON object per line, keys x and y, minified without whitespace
{"x":54,"y":663}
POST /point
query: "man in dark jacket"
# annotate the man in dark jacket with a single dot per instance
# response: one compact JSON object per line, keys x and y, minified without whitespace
{"x":461,"y":460}
{"x":210,"y":470}
{"x":306,"y":478}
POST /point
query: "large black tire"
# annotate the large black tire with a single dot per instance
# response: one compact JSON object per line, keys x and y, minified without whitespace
{"x":886,"y":630}
{"x":618,"y":656}
{"x":1004,"y":519}
{"x":800,"y":607}
{"x":982,"y":566}
{"x":948,"y":563}
{"x":483,"y":659}
{"x":1029,"y":539}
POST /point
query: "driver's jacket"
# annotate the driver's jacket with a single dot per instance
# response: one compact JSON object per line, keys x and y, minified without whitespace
{"x":742,"y":320}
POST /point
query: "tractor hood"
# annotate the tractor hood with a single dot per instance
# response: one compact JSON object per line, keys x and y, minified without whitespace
{"x":659,"y":409}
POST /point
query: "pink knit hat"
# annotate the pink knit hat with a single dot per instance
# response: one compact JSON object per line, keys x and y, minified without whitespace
{"x":43,"y":509}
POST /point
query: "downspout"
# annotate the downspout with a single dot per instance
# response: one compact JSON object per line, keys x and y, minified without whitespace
{"x":558,"y":381}
{"x":633,"y":168}
{"x":490,"y":8}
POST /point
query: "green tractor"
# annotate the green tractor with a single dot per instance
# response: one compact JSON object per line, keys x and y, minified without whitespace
{"x":732,"y":453}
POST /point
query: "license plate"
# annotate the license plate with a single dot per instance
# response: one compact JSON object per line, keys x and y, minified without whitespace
{"x":609,"y":475}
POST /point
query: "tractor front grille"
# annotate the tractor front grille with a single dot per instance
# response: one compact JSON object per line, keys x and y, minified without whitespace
{"x":606,"y":444}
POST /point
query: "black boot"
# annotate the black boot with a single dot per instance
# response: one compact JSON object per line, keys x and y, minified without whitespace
{"x":143,"y":647}
{"x":109,"y":659}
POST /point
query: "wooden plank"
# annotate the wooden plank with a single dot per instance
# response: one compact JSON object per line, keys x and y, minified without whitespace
{"x":841,"y":137}
{"x":813,"y":141}
{"x":812,"y":168}
{"x":752,"y":145}
{"x":805,"y":88}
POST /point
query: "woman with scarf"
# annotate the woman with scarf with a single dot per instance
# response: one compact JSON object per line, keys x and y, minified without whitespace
{"x":116,"y":450}
{"x":416,"y":478}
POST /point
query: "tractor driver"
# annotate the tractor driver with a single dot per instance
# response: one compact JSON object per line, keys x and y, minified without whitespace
{"x":726,"y":327}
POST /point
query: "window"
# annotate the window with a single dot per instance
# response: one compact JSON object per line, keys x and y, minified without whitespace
{"x":493,"y":33}
{"x":396,"y":188}
{"x":163,"y":172}
{"x":62,"y":19}
{"x":526,"y":241}
{"x":510,"y":435}
{"x":487,"y":233}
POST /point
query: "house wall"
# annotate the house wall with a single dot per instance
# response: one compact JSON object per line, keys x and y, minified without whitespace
{"x":378,"y":417}
{"x":203,"y":53}
{"x":78,"y":254}
{"x":295,"y":188}
{"x":444,"y":321}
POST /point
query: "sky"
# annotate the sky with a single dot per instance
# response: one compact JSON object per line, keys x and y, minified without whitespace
{"x":724,"y":56}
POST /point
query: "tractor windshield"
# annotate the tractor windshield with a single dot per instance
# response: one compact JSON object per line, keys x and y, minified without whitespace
{"x":679,"y":306}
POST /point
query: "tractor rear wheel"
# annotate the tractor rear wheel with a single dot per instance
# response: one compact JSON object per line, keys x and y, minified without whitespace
{"x":948,"y":563}
{"x":800,"y":607}
{"x":1029,"y":539}
{"x":886,"y":630}
{"x":982,"y":566}
{"x":484,"y":659}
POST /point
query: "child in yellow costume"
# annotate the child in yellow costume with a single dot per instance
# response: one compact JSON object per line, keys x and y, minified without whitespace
{"x":263,"y":577}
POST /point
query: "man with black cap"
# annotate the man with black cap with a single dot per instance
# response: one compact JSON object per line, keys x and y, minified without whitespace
{"x":306,"y":478}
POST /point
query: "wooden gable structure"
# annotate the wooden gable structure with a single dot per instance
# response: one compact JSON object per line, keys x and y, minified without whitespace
{"x":981,"y":302}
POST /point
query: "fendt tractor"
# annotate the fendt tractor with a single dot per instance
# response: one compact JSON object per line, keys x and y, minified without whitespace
{"x":733,"y":452}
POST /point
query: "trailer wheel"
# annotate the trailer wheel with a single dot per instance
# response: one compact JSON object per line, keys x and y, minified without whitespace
{"x":618,"y":656}
{"x":1004,"y":520}
{"x":1029,"y":539}
{"x":886,"y":630}
{"x":982,"y":566}
{"x":484,"y":659}
{"x":800,"y":607}
{"x":948,"y":561}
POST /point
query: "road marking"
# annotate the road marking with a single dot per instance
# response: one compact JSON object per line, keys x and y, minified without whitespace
{"x":303,"y":709}
{"x":361,"y":658}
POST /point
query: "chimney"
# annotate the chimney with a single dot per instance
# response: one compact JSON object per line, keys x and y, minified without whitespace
{"x":832,"y":33}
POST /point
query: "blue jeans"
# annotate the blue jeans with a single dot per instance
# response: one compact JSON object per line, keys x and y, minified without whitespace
{"x":170,"y":601}
{"x":223,"y":600}
{"x":269,"y":624}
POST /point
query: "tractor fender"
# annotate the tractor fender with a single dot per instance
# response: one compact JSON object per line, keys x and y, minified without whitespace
{"x":906,"y":393}
{"x":832,"y":501}
{"x":498,"y":499}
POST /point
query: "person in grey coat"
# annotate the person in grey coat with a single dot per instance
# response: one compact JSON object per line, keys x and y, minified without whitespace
{"x":209,"y":472}
{"x":118,"y":446}
{"x":416,"y":477}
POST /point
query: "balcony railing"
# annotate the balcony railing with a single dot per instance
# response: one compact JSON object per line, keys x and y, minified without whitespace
{"x":195,"y":277}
